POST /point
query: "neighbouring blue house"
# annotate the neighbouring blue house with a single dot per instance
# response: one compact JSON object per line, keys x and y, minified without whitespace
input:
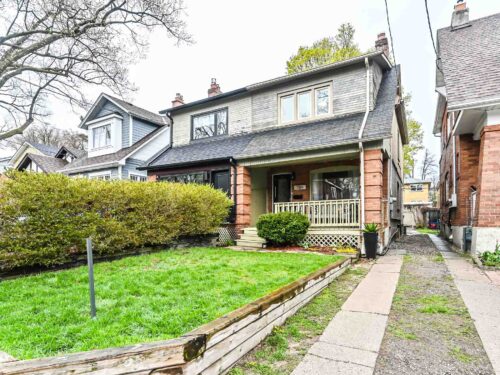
{"x":121,"y":137}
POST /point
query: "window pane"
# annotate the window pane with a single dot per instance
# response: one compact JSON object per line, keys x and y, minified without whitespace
{"x":287,"y":108}
{"x":304,"y":100}
{"x":335,"y":185}
{"x":322,"y":101}
{"x":204,"y":126}
{"x":101,"y":136}
{"x":222,"y":122}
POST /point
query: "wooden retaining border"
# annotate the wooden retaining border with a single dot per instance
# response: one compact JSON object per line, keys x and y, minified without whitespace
{"x":210,"y":349}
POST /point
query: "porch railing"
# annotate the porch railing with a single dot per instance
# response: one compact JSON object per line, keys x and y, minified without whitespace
{"x":331,"y":213}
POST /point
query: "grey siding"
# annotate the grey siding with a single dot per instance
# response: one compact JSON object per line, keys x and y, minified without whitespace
{"x":349,"y":91}
{"x":110,"y":108}
{"x":140,"y":129}
{"x":113,"y":170}
{"x":131,"y":167}
{"x":376,"y":79}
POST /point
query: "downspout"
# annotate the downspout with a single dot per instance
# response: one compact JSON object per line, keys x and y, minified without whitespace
{"x":233,"y":164}
{"x":361,"y":149}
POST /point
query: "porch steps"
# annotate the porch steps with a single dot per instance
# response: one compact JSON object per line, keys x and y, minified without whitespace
{"x":250,"y":239}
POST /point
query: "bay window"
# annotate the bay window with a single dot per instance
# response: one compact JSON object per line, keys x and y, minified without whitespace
{"x":209,"y":124}
{"x":305,"y":103}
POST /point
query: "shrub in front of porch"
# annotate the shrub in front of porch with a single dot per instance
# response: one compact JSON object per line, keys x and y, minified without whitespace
{"x":283,"y":228}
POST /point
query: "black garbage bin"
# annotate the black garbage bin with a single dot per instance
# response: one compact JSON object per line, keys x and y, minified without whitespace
{"x":371,"y":242}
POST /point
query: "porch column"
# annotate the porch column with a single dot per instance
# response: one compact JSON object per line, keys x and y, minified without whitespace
{"x":243,"y":197}
{"x":486,"y":231}
{"x":373,"y":180}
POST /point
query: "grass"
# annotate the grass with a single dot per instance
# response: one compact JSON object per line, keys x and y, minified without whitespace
{"x":427,"y":231}
{"x":438,"y":258}
{"x":435,"y":304}
{"x":139,"y":299}
{"x":459,"y":354}
{"x":285,"y":347}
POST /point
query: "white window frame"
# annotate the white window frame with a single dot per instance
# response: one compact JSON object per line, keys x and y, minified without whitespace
{"x":106,"y":143}
{"x":313,"y":114}
{"x":137,"y":177}
{"x":103,"y":175}
{"x":116,"y":122}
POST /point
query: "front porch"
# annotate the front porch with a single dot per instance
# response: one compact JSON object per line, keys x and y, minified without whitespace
{"x":327,"y":192}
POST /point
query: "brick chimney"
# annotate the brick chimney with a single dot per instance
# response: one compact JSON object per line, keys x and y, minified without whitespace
{"x":214,"y":88}
{"x":382,"y":44}
{"x":179,"y":100}
{"x":460,"y":16}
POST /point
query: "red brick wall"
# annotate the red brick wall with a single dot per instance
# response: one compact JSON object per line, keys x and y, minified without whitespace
{"x":467,"y":153}
{"x":488,"y":202}
{"x":243,"y":197}
{"x":373,"y":186}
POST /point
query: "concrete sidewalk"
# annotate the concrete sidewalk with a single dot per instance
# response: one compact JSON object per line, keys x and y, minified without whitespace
{"x":481,"y":294}
{"x":350,"y":343}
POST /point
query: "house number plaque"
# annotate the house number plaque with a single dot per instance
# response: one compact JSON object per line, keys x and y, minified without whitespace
{"x":299,"y":187}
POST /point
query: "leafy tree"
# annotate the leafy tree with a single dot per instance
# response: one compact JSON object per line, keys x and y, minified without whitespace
{"x":325,"y":51}
{"x":54,"y":48}
{"x":415,"y":140}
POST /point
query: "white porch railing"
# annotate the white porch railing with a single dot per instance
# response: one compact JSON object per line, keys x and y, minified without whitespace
{"x":333,"y":213}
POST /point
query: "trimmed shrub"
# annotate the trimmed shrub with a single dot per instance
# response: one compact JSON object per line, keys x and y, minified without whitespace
{"x":283,"y":228}
{"x":45,"y":218}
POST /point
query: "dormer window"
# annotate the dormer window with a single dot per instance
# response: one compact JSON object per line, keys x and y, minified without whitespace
{"x":304,"y":104}
{"x":209,"y":124}
{"x":101,"y":136}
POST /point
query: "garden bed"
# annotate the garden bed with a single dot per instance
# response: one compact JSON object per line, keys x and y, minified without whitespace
{"x":139,"y":299}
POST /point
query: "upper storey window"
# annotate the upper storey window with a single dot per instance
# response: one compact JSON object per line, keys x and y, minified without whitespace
{"x":101,"y":136}
{"x":209,"y":124}
{"x":305,"y":104}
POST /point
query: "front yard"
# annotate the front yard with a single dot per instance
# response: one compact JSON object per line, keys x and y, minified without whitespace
{"x":139,"y":299}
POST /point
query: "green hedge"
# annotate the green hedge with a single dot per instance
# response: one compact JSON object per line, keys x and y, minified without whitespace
{"x":45,"y":218}
{"x":283,"y":228}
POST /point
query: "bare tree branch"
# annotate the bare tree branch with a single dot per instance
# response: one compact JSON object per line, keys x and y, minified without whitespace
{"x":54,"y":48}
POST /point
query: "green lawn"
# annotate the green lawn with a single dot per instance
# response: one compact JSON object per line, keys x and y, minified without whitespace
{"x":144,"y":298}
{"x":427,"y":231}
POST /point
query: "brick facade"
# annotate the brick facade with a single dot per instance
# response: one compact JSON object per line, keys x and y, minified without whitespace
{"x":373,"y":186}
{"x":488,"y":201}
{"x":243,"y":197}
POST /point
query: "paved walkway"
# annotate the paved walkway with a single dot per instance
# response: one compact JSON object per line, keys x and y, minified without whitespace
{"x":351,"y":342}
{"x":481,"y":294}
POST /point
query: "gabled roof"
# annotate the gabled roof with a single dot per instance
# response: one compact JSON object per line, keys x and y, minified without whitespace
{"x":316,"y":135}
{"x":77,"y":153}
{"x":470,"y":63}
{"x":91,"y":163}
{"x":130,"y":108}
{"x":378,"y":56}
{"x":48,"y":164}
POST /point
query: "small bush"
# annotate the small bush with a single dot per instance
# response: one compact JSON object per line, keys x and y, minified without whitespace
{"x":491,"y":258}
{"x":283,"y":228}
{"x":45,"y":218}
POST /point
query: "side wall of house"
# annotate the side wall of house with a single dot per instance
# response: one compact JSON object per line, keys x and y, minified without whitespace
{"x":140,"y":129}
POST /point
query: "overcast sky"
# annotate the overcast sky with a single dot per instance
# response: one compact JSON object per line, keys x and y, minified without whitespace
{"x":243,"y":42}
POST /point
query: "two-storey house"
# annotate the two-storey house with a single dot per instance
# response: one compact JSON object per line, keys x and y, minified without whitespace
{"x":416,"y":198}
{"x":121,"y":137}
{"x":326,"y":142}
{"x":468,"y":121}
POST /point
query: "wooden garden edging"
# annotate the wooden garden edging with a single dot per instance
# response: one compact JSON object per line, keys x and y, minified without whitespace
{"x":212,"y":348}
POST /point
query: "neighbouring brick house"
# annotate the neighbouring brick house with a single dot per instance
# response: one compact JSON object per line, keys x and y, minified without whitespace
{"x":468,"y":120}
{"x":326,"y":142}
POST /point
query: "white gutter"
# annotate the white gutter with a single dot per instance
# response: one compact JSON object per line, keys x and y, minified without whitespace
{"x":361,"y":149}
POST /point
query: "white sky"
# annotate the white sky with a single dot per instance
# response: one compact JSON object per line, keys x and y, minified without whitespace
{"x":246,"y":42}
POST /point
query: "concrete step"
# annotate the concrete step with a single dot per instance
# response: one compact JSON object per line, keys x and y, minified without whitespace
{"x":250,"y":230}
{"x":252,"y":237}
{"x":249,"y":244}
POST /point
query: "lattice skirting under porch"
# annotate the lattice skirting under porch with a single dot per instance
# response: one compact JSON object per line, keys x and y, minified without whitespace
{"x":333,"y":237}
{"x":227,"y":233}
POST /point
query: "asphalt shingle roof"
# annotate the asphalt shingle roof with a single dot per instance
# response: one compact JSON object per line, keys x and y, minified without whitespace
{"x":140,"y":112}
{"x":85,"y":163}
{"x":470,"y":60}
{"x":49,"y":164}
{"x":317,"y":135}
{"x":45,"y":149}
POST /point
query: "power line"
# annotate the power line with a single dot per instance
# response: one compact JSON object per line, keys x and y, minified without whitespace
{"x":430,"y":28}
{"x":390,"y":32}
